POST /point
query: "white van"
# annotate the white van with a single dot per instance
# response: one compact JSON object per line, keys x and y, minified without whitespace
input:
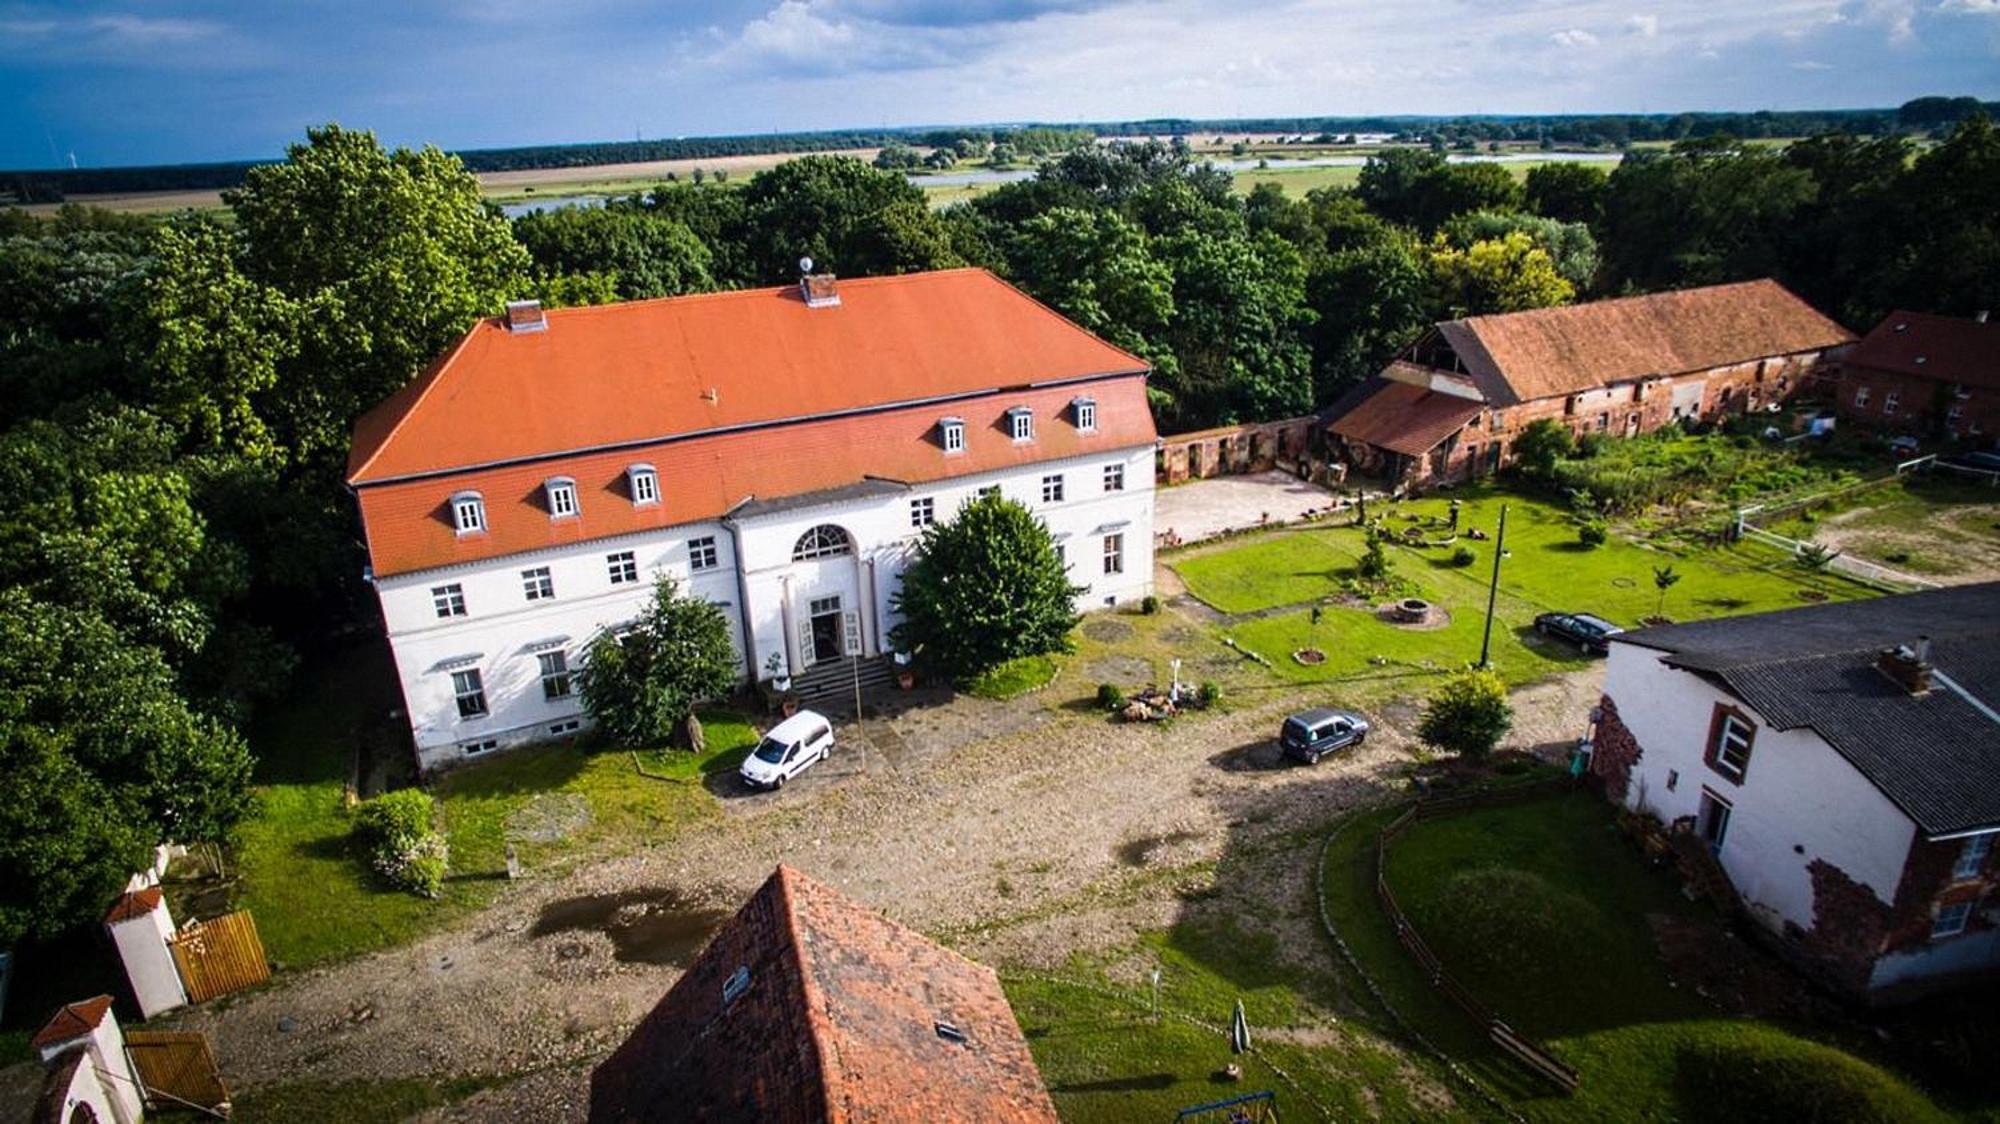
{"x":801,"y":740}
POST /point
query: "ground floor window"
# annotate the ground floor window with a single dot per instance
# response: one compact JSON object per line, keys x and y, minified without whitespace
{"x":470,"y":691}
{"x":487,"y":746}
{"x":1951,"y":919}
{"x":566,"y":726}
{"x":1114,"y":554}
{"x":624,"y":567}
{"x":555,"y":674}
{"x":1713,"y":819}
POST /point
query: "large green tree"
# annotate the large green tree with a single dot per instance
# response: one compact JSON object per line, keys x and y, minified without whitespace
{"x":1238,"y":329}
{"x":986,"y":586}
{"x":849,"y":218}
{"x":640,"y":682}
{"x":1505,"y":274}
{"x":648,"y":253}
{"x":1098,"y":269}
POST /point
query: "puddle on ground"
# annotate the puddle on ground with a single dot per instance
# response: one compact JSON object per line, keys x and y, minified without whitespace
{"x":1135,"y":852}
{"x":658,"y":926}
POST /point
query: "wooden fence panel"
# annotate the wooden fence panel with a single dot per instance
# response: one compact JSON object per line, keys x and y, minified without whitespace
{"x":177,"y":1069}
{"x":219,"y":956}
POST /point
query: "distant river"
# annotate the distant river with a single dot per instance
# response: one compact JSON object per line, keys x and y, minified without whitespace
{"x":1014,"y":175}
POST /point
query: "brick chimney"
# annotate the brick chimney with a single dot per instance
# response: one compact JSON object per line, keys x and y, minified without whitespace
{"x":526,"y":316}
{"x":1908,"y":666}
{"x":816,"y":289}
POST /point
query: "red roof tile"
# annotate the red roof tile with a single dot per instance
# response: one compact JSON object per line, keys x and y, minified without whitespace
{"x":1946,"y":348}
{"x":837,"y":1021}
{"x":645,"y":370}
{"x":72,"y":1020}
{"x":137,"y":903}
{"x":1405,"y":419}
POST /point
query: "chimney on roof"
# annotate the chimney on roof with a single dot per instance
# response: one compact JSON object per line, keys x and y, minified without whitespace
{"x":526,"y":316}
{"x":816,"y":289}
{"x":1908,"y":666}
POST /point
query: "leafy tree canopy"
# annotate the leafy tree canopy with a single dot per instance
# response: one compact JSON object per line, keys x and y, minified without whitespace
{"x":986,"y":586}
{"x":638,"y":683}
{"x":647,"y":252}
{"x":1467,"y":715}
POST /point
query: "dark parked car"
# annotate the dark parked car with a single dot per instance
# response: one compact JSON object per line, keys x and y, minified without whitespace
{"x":1312,"y":734}
{"x":1591,"y":635}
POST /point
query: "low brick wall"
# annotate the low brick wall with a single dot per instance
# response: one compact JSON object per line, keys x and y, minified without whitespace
{"x":1238,"y":449}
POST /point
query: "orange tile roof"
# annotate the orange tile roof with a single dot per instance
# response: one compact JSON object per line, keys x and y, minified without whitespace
{"x":1404,"y":419}
{"x":409,"y":522}
{"x":645,"y":370}
{"x":136,"y":903}
{"x":1946,"y":348}
{"x":837,"y":1022}
{"x":72,"y":1020}
{"x":1521,"y":356}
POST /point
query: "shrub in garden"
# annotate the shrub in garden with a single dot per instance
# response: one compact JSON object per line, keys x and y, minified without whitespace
{"x":1467,"y":715}
{"x":1149,"y":605}
{"x":1375,"y":563}
{"x":1208,"y":694}
{"x":1593,"y":533}
{"x":986,"y":587}
{"x":1770,"y":1078}
{"x":1463,"y":556}
{"x":641,"y":683}
{"x":394,"y":831}
{"x":1110,"y":697}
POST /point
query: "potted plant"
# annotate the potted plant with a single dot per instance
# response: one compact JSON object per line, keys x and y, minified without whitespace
{"x":776,"y":671}
{"x":906,"y":677}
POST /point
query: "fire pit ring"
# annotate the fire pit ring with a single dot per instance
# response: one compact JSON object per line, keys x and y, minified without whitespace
{"x":1411,"y":610}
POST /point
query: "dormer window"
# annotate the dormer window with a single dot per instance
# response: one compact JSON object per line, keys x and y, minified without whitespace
{"x":1021,"y":423}
{"x":951,"y":433}
{"x":643,"y":483}
{"x":1084,"y":410}
{"x":468,"y":513}
{"x":562,"y":497}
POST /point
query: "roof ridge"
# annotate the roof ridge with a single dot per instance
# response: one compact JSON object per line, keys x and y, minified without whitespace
{"x":819,"y":1030}
{"x":1551,"y":311}
{"x":868,"y":279}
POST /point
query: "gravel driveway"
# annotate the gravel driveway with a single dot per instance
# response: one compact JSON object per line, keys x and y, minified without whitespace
{"x":1007,"y":829}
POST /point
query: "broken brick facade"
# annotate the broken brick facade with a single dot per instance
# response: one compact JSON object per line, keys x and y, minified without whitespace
{"x":1614,"y":752}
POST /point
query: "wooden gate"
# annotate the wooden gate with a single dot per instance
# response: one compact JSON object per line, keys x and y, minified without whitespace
{"x":219,"y":956}
{"x":177,"y":1070}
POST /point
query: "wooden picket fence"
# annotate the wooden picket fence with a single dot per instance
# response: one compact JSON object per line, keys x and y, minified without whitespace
{"x":1531,"y":1055}
{"x":177,"y":1070}
{"x":221,"y":955}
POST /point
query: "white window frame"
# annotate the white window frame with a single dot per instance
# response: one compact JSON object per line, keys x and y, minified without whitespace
{"x":923,"y":511}
{"x":561,"y":493}
{"x":644,"y":484}
{"x":1021,"y":424}
{"x":538,"y":583}
{"x":566,"y":726}
{"x":1861,"y":395}
{"x":1972,"y":856}
{"x":474,"y":749}
{"x":1733,"y":733}
{"x":702,"y":555}
{"x":1053,"y":488}
{"x":553,"y":667}
{"x":448,"y":600}
{"x":468,"y":690}
{"x":468,"y":513}
{"x":1114,"y":553}
{"x":1114,"y":477}
{"x":824,"y":540}
{"x":951,"y":434}
{"x":1085,"y":412}
{"x":623,"y":567}
{"x":1716,"y":800}
{"x":1951,"y":920}
{"x":1890,"y":401}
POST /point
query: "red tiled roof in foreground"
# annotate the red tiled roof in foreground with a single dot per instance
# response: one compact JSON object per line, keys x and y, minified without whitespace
{"x":838,"y":1022}
{"x":134,"y":904}
{"x":73,"y":1020}
{"x":643,"y":370}
{"x":1405,"y":419}
{"x":1946,"y":348}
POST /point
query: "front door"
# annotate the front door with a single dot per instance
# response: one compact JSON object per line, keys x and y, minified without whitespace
{"x":1713,"y":819}
{"x":826,"y":629}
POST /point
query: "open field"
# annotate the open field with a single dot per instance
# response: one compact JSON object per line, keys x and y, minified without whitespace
{"x":1545,"y":912}
{"x":1934,"y":526}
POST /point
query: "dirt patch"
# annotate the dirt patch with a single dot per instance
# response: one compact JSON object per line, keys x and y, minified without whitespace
{"x":1959,"y":546}
{"x":1126,"y":671}
{"x":1137,"y":852}
{"x":1108,"y":629}
{"x":654,"y":926}
{"x":1722,"y":969}
{"x":548,"y":818}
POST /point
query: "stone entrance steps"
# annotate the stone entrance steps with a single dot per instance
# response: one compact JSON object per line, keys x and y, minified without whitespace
{"x":834,"y":679}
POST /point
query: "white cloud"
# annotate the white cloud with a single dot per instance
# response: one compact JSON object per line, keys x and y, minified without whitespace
{"x":1573,"y":37}
{"x":793,"y":30}
{"x":1811,"y":65}
{"x":143,"y":30}
{"x":1647,"y":26}
{"x":1969,"y":7}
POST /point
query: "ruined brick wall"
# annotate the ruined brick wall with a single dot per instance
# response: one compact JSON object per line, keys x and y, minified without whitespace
{"x":1256,"y":447}
{"x":1614,"y":753}
{"x":1848,"y":929}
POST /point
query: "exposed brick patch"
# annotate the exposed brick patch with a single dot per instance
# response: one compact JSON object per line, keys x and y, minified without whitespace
{"x":1615,"y":752}
{"x":1849,"y":925}
{"x":1926,"y":882}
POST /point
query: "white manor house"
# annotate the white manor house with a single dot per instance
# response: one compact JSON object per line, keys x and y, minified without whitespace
{"x":776,"y":451}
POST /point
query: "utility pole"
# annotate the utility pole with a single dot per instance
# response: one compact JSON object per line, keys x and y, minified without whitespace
{"x":1493,"y":590}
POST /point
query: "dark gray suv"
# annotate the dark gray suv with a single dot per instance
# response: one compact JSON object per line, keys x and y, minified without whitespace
{"x":1312,"y":734}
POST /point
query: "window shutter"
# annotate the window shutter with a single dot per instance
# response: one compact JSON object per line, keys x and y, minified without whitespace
{"x":805,"y":643}
{"x":850,"y":632}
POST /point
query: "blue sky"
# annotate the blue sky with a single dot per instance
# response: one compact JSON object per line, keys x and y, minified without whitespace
{"x":144,"y":81}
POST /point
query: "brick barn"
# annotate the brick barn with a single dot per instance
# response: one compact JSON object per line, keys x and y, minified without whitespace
{"x":808,"y":1007}
{"x":1923,"y":374}
{"x":1450,"y":406}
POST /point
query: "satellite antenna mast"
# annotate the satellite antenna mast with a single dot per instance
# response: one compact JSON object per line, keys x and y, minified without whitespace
{"x":805,"y":266}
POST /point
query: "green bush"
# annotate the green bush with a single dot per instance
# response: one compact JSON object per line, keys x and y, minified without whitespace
{"x":1789,"y":1079}
{"x":1110,"y":697}
{"x":1463,"y":557}
{"x":1593,"y":533}
{"x":1208,"y":694}
{"x":1149,"y":605}
{"x":1467,"y":715}
{"x":1375,"y":565}
{"x":395,"y":832}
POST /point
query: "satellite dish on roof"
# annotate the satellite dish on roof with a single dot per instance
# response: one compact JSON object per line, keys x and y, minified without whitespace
{"x":805,"y":265}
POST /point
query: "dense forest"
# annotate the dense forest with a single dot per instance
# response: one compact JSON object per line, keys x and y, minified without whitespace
{"x":176,"y":396}
{"x":1612,"y":130}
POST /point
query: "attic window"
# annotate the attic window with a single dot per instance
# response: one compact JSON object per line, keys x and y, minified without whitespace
{"x":950,"y":1032}
{"x":951,"y":431}
{"x":468,"y":513}
{"x":1021,"y":423}
{"x":1084,"y":410}
{"x":643,"y":483}
{"x":562,"y":497}
{"x":526,"y":316}
{"x":737,"y":983}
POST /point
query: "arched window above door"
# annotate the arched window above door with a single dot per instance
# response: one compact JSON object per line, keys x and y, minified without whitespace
{"x":823,"y":541}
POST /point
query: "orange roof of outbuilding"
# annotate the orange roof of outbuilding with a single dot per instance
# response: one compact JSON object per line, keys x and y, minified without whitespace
{"x":1946,"y":348}
{"x":1404,"y":419}
{"x":134,"y":903}
{"x":72,"y":1020}
{"x":639,"y":371}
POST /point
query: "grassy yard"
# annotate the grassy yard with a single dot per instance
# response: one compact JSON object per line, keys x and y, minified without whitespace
{"x":1542,"y":909}
{"x":1015,"y":677}
{"x":1545,"y":569}
{"x":1936,"y":526}
{"x":315,"y":902}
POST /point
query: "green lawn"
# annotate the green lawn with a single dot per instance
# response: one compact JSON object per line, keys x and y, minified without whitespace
{"x":1545,"y":569}
{"x":1015,"y":677}
{"x":314,"y":901}
{"x":1938,"y":525}
{"x":1541,"y":910}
